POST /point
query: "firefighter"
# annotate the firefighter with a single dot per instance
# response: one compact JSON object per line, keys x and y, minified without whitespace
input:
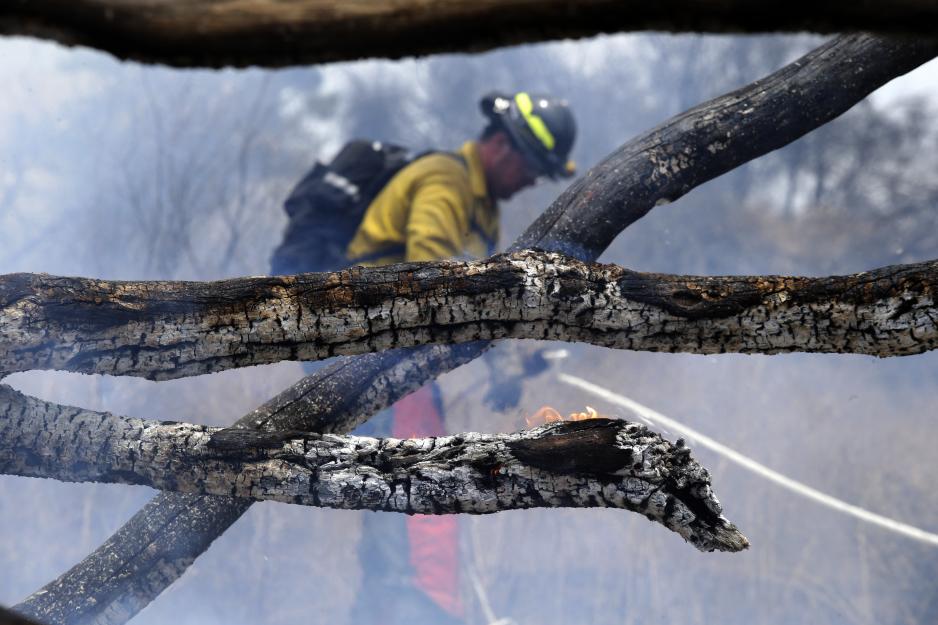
{"x":444,"y":206}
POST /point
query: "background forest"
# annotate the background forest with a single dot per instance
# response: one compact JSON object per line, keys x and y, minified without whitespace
{"x":118,"y":170}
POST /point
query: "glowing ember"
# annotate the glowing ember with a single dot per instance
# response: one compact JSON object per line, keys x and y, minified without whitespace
{"x":547,"y":414}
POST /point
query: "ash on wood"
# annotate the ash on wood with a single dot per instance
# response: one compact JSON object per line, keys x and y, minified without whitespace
{"x":594,"y":463}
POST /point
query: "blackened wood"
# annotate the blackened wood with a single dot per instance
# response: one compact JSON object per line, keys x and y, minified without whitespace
{"x":151,"y":550}
{"x":715,"y":137}
{"x":594,"y":463}
{"x":163,"y":330}
{"x":266,"y":32}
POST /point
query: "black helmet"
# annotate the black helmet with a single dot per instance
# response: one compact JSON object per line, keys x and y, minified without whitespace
{"x":542,"y":128}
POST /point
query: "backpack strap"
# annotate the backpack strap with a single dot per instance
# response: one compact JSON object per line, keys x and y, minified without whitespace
{"x":457,"y":157}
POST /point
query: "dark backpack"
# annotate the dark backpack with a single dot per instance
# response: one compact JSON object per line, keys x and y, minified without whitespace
{"x":329,"y":203}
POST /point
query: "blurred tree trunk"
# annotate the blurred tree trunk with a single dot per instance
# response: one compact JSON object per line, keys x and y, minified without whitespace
{"x":155,"y":547}
{"x":164,"y":330}
{"x":260,"y":32}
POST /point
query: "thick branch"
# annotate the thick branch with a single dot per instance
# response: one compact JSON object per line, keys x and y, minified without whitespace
{"x":596,"y":463}
{"x":152,"y":550}
{"x":715,"y":137}
{"x":262,"y":32}
{"x":157,"y":545}
{"x":171,"y":329}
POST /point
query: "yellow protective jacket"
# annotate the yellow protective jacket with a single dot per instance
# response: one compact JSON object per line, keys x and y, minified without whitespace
{"x":436,"y":207}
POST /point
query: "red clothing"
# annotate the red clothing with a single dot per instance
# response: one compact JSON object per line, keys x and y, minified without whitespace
{"x":419,"y":414}
{"x":433,"y":539}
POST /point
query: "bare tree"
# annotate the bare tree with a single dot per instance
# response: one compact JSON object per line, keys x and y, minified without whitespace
{"x":190,"y":182}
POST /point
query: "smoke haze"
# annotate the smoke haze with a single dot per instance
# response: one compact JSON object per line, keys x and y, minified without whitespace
{"x":124,"y":171}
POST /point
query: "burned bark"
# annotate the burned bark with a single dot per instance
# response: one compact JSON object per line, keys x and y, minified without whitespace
{"x":704,"y":142}
{"x":162,"y":330}
{"x":594,"y":463}
{"x":151,"y":550}
{"x":260,"y":32}
{"x":120,"y":578}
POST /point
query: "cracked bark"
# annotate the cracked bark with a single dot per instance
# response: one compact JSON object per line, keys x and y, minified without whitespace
{"x":596,"y":463}
{"x":119,"y":579}
{"x":162,"y":330}
{"x":157,"y":545}
{"x":264,"y":32}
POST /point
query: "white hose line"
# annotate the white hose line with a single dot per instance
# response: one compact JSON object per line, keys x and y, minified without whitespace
{"x":483,"y":598}
{"x":750,"y":464}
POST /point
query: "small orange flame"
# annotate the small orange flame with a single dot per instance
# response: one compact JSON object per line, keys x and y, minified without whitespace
{"x":547,"y":414}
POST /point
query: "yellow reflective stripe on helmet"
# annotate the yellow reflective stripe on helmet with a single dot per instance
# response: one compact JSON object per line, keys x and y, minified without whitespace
{"x":535,"y":123}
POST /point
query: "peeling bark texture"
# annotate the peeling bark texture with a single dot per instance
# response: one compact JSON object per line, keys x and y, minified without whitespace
{"x":123,"y":580}
{"x":165,"y":330}
{"x":597,"y":463}
{"x":266,"y":32}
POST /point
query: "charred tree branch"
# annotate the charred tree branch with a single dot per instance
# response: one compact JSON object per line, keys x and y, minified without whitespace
{"x":149,"y":552}
{"x":715,"y":137}
{"x":595,"y":463}
{"x":166,"y":330}
{"x":261,"y":32}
